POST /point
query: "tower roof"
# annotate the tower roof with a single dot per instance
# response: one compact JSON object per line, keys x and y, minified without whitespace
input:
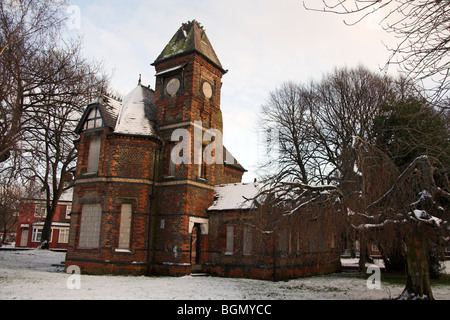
{"x":190,"y":37}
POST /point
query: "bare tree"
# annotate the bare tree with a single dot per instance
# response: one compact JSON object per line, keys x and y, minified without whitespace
{"x":10,"y":196}
{"x":312,"y":126}
{"x":44,"y":84}
{"x":413,"y":204}
{"x":285,"y":123}
{"x":48,"y":151}
{"x":27,"y":28}
{"x":334,"y":117}
{"x":343,"y":106}
{"x":421,"y":27}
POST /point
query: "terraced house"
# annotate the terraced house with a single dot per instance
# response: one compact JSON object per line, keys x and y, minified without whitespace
{"x":157,"y":193}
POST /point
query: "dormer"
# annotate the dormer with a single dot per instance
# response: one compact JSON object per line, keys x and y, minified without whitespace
{"x":99,"y":115}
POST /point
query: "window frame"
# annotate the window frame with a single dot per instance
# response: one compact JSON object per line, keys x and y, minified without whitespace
{"x":95,"y":144}
{"x":247,"y":241}
{"x":95,"y":118}
{"x":229,"y":246}
{"x":36,"y":234}
{"x":40,"y":210}
{"x":63,"y":236}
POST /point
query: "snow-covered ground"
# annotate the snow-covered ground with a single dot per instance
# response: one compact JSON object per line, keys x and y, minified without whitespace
{"x":30,"y":275}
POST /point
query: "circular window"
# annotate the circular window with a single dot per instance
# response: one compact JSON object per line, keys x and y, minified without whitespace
{"x":172,"y":86}
{"x":207,"y":90}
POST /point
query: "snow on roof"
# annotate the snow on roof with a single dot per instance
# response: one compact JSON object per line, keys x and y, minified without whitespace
{"x":137,"y":113}
{"x":110,"y":109}
{"x":67,"y":195}
{"x":233,"y":196}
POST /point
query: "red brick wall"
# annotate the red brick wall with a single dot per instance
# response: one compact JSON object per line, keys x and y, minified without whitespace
{"x":266,"y":257}
{"x":125,"y":175}
{"x":27,"y":217}
{"x":175,"y":199}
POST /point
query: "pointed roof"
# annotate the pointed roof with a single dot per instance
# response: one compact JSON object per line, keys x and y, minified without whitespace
{"x":190,"y":37}
{"x":138,"y":112}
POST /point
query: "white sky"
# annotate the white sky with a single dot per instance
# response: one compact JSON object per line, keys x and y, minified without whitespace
{"x":261,"y":43}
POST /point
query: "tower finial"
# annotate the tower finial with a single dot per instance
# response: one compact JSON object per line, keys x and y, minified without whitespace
{"x":139,"y":82}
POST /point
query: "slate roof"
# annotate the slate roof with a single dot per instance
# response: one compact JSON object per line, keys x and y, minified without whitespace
{"x":138,"y":113}
{"x":109,"y":109}
{"x":135,"y":115}
{"x":190,"y":37}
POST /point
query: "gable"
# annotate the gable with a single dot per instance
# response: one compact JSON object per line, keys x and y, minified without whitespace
{"x":102,"y":113}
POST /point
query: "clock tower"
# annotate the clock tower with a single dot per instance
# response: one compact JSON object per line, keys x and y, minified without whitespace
{"x":187,"y":99}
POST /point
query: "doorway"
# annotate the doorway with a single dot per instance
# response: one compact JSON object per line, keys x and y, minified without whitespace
{"x":196,"y":240}
{"x":24,"y":238}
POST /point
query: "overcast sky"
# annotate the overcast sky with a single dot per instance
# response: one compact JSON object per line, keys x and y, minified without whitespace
{"x":261,"y":43}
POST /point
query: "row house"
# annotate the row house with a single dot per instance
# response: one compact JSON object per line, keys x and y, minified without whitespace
{"x":31,"y":222}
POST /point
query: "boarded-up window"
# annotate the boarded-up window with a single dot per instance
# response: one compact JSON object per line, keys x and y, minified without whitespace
{"x":321,"y":241}
{"x":283,"y":242}
{"x":172,"y":165}
{"x":230,"y":240}
{"x":125,"y":226}
{"x":312,"y":237}
{"x":91,"y":215}
{"x":247,"y":250}
{"x":94,"y":155}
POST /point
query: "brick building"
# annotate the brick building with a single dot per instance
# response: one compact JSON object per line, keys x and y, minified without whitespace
{"x":31,"y":220}
{"x":146,"y":189}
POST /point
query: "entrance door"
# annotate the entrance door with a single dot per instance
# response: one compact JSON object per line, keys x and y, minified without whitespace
{"x":24,"y":238}
{"x":196,"y":239}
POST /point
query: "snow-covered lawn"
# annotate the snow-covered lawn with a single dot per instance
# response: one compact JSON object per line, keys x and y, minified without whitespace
{"x":30,"y":275}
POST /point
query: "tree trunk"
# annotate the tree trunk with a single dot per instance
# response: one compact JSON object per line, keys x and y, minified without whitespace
{"x":362,"y":254}
{"x":47,"y":229}
{"x":418,"y":285}
{"x":5,"y":234}
{"x":274,"y":257}
{"x":394,"y":258}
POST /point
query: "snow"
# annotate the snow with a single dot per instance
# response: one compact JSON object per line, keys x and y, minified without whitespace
{"x":29,"y":274}
{"x":133,"y":117}
{"x":233,"y":196}
{"x":424,"y":216}
{"x":67,"y":195}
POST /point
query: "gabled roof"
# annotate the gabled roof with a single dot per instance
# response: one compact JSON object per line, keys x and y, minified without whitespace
{"x":109,"y":110}
{"x":234,"y":196}
{"x":191,"y":37}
